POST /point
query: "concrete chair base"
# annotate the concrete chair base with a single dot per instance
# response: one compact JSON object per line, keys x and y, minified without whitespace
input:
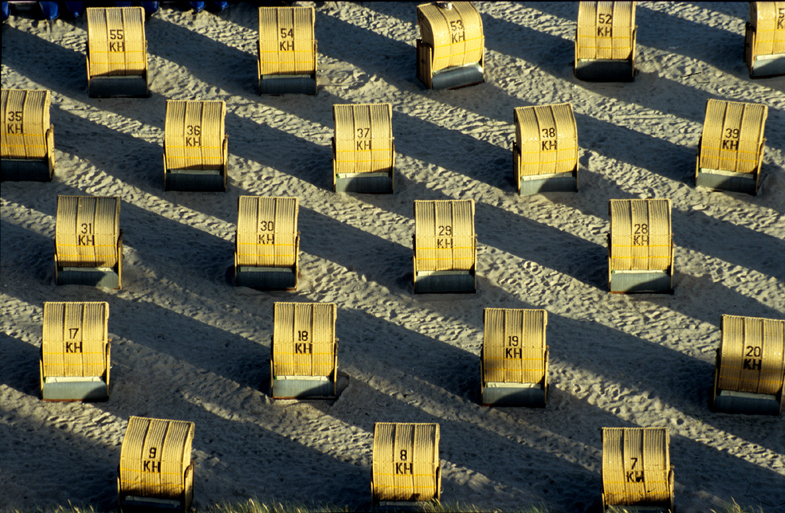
{"x":119,"y":86}
{"x":107,"y":277}
{"x":557,"y":182}
{"x":768,"y":66}
{"x":637,"y":509}
{"x":513,"y":394}
{"x":727,"y":181}
{"x":196,"y":180}
{"x":727,"y":401}
{"x":299,"y":387}
{"x":428,"y":282}
{"x":85,"y":389}
{"x":287,"y":84}
{"x":266,"y":278}
{"x":33,"y":170}
{"x":641,"y":281}
{"x":605,"y":70}
{"x":371,"y":183}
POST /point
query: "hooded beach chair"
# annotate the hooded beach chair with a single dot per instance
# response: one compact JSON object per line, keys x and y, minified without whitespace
{"x":304,"y":359}
{"x":196,"y":149}
{"x":605,"y":42}
{"x":75,"y":352}
{"x":267,"y":243}
{"x":88,"y":241}
{"x":545,"y":151}
{"x":636,"y":471}
{"x":451,"y":45}
{"x":116,"y":52}
{"x":287,"y":50}
{"x":750,"y":366}
{"x":156,"y":471}
{"x":27,"y":148}
{"x":640,"y":246}
{"x":730,"y":151}
{"x":406,"y":465}
{"x":764,"y":44}
{"x":445,"y":246}
{"x":514,"y":357}
{"x":363,"y":148}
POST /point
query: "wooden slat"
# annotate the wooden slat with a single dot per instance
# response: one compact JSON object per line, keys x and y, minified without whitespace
{"x":732,"y":136}
{"x":444,"y":235}
{"x":405,"y":461}
{"x":605,"y":30}
{"x":514,"y":345}
{"x":267,"y":231}
{"x":286,"y":41}
{"x":640,"y":234}
{"x":752,"y":355}
{"x":87,"y":231}
{"x":363,"y":138}
{"x":548,"y":139}
{"x":194,"y":134}
{"x":74,"y":339}
{"x":25,"y":122}
{"x":456,"y":35}
{"x":635,"y":466}
{"x":768,"y":19}
{"x":116,"y":41}
{"x":154,"y":456}
{"x":304,"y":339}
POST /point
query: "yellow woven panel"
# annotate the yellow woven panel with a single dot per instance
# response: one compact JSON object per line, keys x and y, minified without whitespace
{"x":154,"y":456}
{"x":74,"y":339}
{"x":405,"y":462}
{"x":444,"y":235}
{"x":605,"y":30}
{"x":286,"y":41}
{"x":363,"y":138}
{"x":514,"y":345}
{"x":267,"y":231}
{"x":87,"y":231}
{"x":548,"y":139}
{"x":194,"y":134}
{"x":732,"y":136}
{"x":115,"y":41}
{"x":454,"y":34}
{"x":25,"y":122}
{"x":304,"y":339}
{"x":752,"y":355}
{"x":640,"y":234}
{"x":635,"y":465}
{"x":768,"y":19}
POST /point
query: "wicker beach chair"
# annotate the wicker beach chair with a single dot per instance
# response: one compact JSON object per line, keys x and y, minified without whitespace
{"x":27,"y":145}
{"x":605,"y":42}
{"x":287,"y":50}
{"x":116,"y":52}
{"x":363,"y":148}
{"x":764,"y":42}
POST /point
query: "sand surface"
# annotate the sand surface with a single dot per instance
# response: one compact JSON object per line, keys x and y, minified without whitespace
{"x":187,"y":344}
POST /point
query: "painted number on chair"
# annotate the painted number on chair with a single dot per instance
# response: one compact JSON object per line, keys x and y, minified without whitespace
{"x":640,"y":237}
{"x":363,"y":139}
{"x":303,"y":346}
{"x":605,"y":28}
{"x":150,"y":465}
{"x":444,"y":231}
{"x":266,"y":238}
{"x":14,"y":124}
{"x":458,"y":33}
{"x":632,"y":475}
{"x":116,"y":40}
{"x":752,"y":358}
{"x":514,"y":350}
{"x":85,"y":236}
{"x":548,"y":139}
{"x":781,"y":18}
{"x":193,"y":135}
{"x":73,"y":347}
{"x":287,"y":43}
{"x":403,"y":467}
{"x":728,"y":142}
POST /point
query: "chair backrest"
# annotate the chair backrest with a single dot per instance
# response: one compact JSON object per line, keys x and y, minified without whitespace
{"x":514,"y":345}
{"x":154,"y":456}
{"x":287,"y":45}
{"x":752,"y":355}
{"x":115,"y":41}
{"x":194,"y":134}
{"x":87,"y":231}
{"x":768,"y":19}
{"x":363,"y":138}
{"x":548,"y":139}
{"x":25,"y":122}
{"x":636,"y":466}
{"x":605,"y":30}
{"x":405,"y":462}
{"x":267,"y":231}
{"x":454,"y":34}
{"x":74,"y":339}
{"x":444,"y":237}
{"x":304,"y":339}
{"x":640,"y":234}
{"x":732,"y":138}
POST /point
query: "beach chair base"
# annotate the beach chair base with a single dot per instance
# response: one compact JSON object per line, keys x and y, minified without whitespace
{"x":727,"y":401}
{"x":106,"y":277}
{"x":557,"y":182}
{"x":133,"y":503}
{"x":727,"y":181}
{"x":119,"y":86}
{"x":74,"y":389}
{"x":513,"y":394}
{"x":768,"y":66}
{"x":266,"y":278}
{"x":300,"y":387}
{"x":33,"y":170}
{"x":605,"y":70}
{"x":403,"y":506}
{"x":641,"y":281}
{"x":637,"y":509}
{"x":196,"y":180}
{"x":428,"y":282}
{"x":372,"y":183}
{"x":287,"y":84}
{"x":449,"y":78}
